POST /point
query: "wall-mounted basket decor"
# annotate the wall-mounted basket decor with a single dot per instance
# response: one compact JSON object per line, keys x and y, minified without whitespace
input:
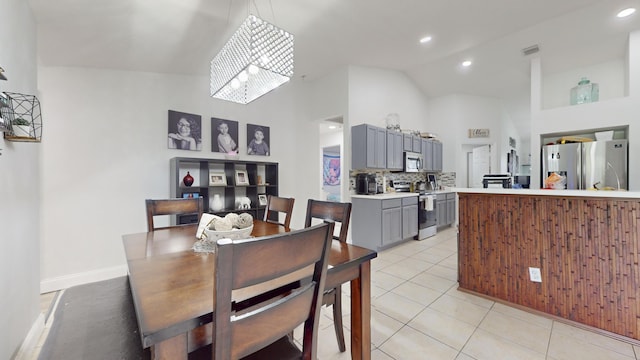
{"x":22,"y":117}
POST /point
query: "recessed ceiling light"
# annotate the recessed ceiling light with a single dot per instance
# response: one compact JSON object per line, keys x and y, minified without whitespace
{"x":425,"y":39}
{"x":626,"y":12}
{"x":466,"y":63}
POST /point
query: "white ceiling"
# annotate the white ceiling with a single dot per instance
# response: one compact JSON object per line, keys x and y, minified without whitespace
{"x":181,"y":36}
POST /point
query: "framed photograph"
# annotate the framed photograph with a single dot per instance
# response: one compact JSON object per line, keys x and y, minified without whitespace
{"x":190,"y":195}
{"x":217,"y":179}
{"x":242,"y":178}
{"x":224,"y":136}
{"x":184,"y":131}
{"x":262,"y":199}
{"x":258,"y":140}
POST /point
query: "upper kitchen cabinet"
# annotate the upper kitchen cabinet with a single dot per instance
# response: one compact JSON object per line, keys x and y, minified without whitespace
{"x":432,"y":154}
{"x":368,"y":147}
{"x":394,"y":150}
{"x":412,"y":143}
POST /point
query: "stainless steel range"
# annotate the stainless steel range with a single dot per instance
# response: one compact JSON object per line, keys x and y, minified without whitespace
{"x":427,"y":220}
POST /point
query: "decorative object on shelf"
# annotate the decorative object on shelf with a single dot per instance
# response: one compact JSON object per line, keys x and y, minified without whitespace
{"x":258,"y":140}
{"x":224,"y":136}
{"x":187,"y":180}
{"x":262,"y":199}
{"x":184,"y":131}
{"x":217,"y":179}
{"x":190,"y":195}
{"x":21,"y":128}
{"x":393,"y":122}
{"x":241,"y":177}
{"x":21,"y":113}
{"x":243,"y":203}
{"x":260,"y":181}
{"x":257,"y":59}
{"x":584,"y":92}
{"x":216,"y":203}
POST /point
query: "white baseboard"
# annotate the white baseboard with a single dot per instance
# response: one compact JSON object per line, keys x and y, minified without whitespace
{"x":67,"y":281}
{"x":31,"y":340}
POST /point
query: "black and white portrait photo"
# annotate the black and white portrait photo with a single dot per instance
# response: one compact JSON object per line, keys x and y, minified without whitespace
{"x":258,"y":140}
{"x":184,"y":131}
{"x":224,"y":136}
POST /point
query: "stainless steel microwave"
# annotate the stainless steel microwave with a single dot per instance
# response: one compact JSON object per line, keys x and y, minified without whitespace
{"x":412,"y":162}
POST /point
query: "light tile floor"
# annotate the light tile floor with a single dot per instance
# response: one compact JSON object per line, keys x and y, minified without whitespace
{"x":418,"y":313}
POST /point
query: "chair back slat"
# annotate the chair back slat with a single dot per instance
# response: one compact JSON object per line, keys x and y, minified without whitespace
{"x":172,"y":207}
{"x":243,"y":330}
{"x":277,"y":204}
{"x":329,"y":210}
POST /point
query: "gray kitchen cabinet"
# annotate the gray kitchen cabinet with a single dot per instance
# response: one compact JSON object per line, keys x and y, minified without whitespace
{"x":378,"y":223}
{"x":437,"y":156}
{"x":432,"y":154}
{"x":412,"y":143}
{"x":427,"y":155}
{"x":409,"y":217}
{"x":445,"y":209}
{"x":451,"y":208}
{"x":391,"y":225}
{"x":394,"y":150}
{"x":368,"y":147}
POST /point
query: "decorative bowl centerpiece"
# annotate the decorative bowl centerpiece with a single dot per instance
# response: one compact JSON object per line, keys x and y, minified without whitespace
{"x":233,"y":234}
{"x":212,"y":227}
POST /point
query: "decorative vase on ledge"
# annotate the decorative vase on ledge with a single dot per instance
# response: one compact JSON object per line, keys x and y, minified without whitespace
{"x":216,"y":203}
{"x":187,"y":180}
{"x":585,"y":92}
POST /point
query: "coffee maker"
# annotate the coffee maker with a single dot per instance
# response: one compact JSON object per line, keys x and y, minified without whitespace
{"x":366,"y":184}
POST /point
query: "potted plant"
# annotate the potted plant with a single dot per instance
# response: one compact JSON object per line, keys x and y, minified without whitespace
{"x":21,"y":127}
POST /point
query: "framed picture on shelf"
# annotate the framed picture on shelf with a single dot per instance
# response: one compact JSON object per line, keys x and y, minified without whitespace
{"x":190,"y":195}
{"x":242,"y":178}
{"x":262,"y":199}
{"x":217,"y":179}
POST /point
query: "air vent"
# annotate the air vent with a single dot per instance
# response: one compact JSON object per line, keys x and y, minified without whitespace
{"x":530,"y":50}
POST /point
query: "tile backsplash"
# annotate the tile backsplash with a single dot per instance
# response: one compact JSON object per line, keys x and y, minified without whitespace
{"x":444,"y":179}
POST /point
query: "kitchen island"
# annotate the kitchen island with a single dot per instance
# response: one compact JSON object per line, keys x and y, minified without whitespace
{"x":584,"y":243}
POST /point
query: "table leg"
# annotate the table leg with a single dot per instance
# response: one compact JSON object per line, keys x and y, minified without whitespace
{"x":174,"y":348}
{"x":361,"y":313}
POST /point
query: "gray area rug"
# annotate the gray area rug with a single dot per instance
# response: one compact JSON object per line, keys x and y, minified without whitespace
{"x":95,"y":321}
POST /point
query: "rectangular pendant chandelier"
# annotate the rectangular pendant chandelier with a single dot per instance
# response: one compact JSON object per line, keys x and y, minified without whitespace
{"x":257,"y":59}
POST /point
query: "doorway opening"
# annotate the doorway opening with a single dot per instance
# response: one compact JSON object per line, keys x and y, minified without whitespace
{"x":331,"y":159}
{"x":478,"y":159}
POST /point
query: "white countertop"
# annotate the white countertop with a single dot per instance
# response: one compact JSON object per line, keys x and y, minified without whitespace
{"x":582,"y":193}
{"x":396,"y":195}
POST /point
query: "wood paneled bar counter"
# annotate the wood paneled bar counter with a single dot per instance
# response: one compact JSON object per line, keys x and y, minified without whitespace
{"x":585,"y":243}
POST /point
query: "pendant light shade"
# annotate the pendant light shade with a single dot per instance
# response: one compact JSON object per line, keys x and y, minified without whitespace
{"x":257,"y":59}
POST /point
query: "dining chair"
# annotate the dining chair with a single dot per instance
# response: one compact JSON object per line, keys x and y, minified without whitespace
{"x":279,"y":205}
{"x":172,"y":207}
{"x":263,"y":330}
{"x":339,"y":213}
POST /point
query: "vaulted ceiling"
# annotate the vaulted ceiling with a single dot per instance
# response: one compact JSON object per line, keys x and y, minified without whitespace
{"x":181,"y":36}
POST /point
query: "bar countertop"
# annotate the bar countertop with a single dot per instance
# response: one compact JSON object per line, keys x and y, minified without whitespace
{"x":563,"y":193}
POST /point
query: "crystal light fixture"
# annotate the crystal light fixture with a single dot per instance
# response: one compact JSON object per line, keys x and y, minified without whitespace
{"x":257,"y":59}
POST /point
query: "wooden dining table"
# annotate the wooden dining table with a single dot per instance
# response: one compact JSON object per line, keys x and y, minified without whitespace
{"x":172,"y":288}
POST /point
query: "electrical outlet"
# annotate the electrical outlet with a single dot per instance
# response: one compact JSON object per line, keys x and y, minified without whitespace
{"x":534,"y":274}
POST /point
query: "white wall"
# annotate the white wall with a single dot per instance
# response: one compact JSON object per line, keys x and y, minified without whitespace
{"x":615,"y":112}
{"x":452,"y":116}
{"x":19,"y":189}
{"x":375,"y":93}
{"x":106,"y":151}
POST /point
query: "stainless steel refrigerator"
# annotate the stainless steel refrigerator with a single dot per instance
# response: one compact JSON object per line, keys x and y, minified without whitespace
{"x":591,"y":165}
